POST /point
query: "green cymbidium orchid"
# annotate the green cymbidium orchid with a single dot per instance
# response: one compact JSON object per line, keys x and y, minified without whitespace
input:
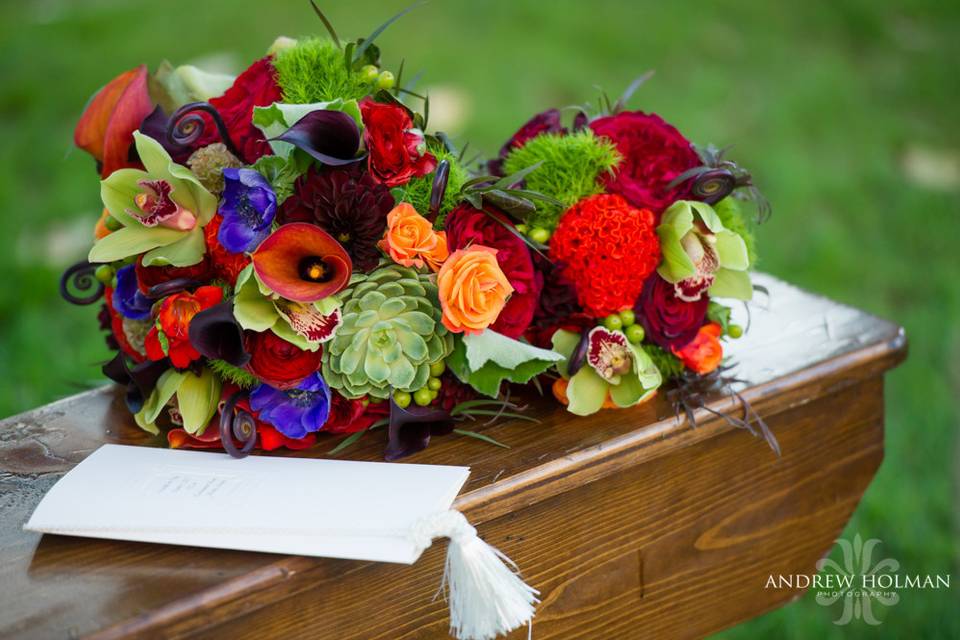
{"x":303,"y":324}
{"x":700,"y":254}
{"x":163,"y":211}
{"x":611,"y":366}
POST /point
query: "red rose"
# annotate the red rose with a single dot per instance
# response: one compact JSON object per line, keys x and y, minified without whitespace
{"x":255,"y":87}
{"x":546,"y":122}
{"x":669,"y":321}
{"x":465,"y":226}
{"x":350,"y":416}
{"x":397,"y":151}
{"x":654,"y":153}
{"x":277,"y":362}
{"x":173,"y":321}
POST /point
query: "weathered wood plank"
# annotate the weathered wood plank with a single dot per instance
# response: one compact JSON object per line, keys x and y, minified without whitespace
{"x":621,"y":519}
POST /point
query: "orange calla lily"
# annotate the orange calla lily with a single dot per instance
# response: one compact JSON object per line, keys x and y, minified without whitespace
{"x":106,"y":127}
{"x":302,"y":262}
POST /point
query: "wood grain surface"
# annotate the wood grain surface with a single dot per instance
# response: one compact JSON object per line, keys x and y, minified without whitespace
{"x":633,"y":524}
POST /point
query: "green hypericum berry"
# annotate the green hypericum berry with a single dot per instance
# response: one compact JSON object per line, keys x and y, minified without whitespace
{"x":628,"y":317}
{"x":635,"y":333}
{"x":434,"y":393}
{"x":539,"y":234}
{"x":613,"y":322}
{"x":422,"y":397}
{"x":104,"y":274}
{"x":437,"y":368}
{"x":522,"y":228}
{"x":402,"y":399}
{"x":386,"y":80}
{"x":734,"y":331}
{"x":370,"y":73}
{"x":434,"y":384}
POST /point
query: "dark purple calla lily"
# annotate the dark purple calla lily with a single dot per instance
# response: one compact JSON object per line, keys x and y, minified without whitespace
{"x":156,"y":125}
{"x":331,"y":137}
{"x":216,"y":334}
{"x":140,"y":379}
{"x":410,"y":429}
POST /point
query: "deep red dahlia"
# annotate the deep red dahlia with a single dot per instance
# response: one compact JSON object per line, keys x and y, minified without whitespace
{"x":607,"y":248}
{"x":348,"y":204}
{"x":466,"y":225}
{"x":654,"y":153}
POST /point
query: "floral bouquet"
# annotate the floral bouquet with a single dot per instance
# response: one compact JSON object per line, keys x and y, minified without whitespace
{"x":289,"y":253}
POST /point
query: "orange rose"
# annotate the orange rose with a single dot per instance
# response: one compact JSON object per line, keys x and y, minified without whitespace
{"x":704,"y":353}
{"x":473,"y":289}
{"x":411,"y":241}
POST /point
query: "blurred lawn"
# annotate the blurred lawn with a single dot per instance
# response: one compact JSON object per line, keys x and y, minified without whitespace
{"x":846,"y":112}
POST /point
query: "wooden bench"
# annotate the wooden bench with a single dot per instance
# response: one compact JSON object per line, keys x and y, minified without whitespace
{"x":632,"y":523}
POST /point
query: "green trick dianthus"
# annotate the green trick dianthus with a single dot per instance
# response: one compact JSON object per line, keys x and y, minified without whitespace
{"x":229,"y":373}
{"x":571,"y":165}
{"x":417,"y":191}
{"x":313,"y":70}
{"x":669,"y":365}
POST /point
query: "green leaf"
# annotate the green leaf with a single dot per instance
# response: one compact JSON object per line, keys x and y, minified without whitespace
{"x":720,"y":314}
{"x":346,"y":442}
{"x":358,"y":53}
{"x":490,"y":346}
{"x":487,"y":380}
{"x":198,"y":397}
{"x":186,"y":251}
{"x":132,"y":241}
{"x":480,"y":436}
{"x":167,"y":385}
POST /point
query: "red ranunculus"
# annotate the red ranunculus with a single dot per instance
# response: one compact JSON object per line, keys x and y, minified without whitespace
{"x":151,"y":276}
{"x":255,"y":87}
{"x":546,"y":122}
{"x":223,"y":264}
{"x":173,"y":319}
{"x":350,"y":416}
{"x":669,"y":321}
{"x":654,"y":153}
{"x":466,"y":225}
{"x":114,"y":322}
{"x":277,"y":362}
{"x":397,"y":151}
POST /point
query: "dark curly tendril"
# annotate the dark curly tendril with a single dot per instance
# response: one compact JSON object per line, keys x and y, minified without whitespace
{"x":186,"y":126}
{"x":714,"y":185}
{"x":237,"y":424}
{"x":172,"y":286}
{"x":78,"y":285}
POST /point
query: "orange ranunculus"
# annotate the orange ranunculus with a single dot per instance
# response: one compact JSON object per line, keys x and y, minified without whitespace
{"x":473,"y":289}
{"x":704,"y":353}
{"x":410,"y":239}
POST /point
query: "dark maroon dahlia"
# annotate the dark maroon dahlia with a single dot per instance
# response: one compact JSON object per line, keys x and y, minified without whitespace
{"x":347,"y":203}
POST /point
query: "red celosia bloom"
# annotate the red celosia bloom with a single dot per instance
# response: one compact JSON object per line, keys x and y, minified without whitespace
{"x":224,"y":264}
{"x":176,"y":312}
{"x":255,"y":87}
{"x":607,"y":249}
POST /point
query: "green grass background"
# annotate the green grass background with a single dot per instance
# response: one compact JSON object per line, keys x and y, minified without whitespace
{"x":846,"y":112}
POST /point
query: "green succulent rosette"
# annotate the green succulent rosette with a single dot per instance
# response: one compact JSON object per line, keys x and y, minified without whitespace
{"x":698,"y":249}
{"x":390,"y":335}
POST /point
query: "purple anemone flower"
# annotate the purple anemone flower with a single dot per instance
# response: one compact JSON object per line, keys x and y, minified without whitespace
{"x":294,"y":412}
{"x":127,"y":298}
{"x":249,"y":205}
